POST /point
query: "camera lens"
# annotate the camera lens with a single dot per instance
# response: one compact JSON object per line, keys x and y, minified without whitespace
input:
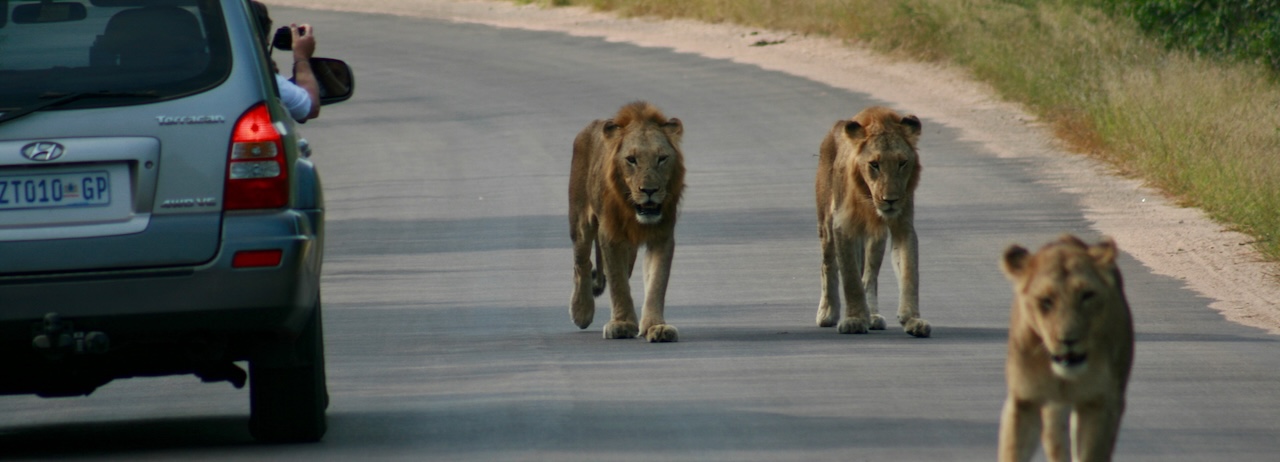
{"x":283,"y":39}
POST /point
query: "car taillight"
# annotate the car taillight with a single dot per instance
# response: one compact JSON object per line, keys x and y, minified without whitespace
{"x":256,"y":173}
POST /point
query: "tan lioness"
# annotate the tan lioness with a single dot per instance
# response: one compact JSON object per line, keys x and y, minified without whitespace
{"x":624,"y":189}
{"x":1070,"y":350}
{"x":868,"y":170}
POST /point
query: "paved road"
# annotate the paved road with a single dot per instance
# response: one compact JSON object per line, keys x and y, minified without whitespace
{"x":447,"y":283}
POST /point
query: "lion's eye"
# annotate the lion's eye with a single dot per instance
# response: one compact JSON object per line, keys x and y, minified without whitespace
{"x":631,"y":160}
{"x":1046,"y":304}
{"x":875,"y":165}
{"x":902,"y":165}
{"x":662,"y":160}
{"x":1086,"y":296}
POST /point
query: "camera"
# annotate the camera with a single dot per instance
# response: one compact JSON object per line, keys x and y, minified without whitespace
{"x":284,"y":38}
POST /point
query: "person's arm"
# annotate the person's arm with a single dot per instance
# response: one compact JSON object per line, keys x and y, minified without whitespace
{"x":304,"y":45}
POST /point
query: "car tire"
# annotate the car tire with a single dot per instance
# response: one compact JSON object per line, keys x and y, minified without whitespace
{"x":287,"y":404}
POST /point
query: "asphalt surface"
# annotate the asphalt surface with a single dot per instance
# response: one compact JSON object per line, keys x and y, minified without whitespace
{"x":448,"y":276}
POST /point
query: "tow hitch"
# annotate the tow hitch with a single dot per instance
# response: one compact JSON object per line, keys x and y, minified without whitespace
{"x":58,"y":338}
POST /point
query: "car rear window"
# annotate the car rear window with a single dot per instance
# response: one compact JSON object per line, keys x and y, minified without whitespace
{"x":153,"y":48}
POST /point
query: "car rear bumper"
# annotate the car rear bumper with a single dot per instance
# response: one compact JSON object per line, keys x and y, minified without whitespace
{"x":213,"y":298}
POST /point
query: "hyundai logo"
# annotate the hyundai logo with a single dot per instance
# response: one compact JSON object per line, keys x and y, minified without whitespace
{"x":43,"y":151}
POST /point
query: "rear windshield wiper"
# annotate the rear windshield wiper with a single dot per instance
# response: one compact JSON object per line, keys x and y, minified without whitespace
{"x":57,"y":99}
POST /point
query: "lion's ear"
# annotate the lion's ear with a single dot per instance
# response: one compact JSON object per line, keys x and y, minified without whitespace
{"x":1014,"y":262}
{"x":913,"y":127}
{"x":608,"y":128}
{"x":853,"y":130}
{"x":674,"y":127}
{"x":1104,"y":252}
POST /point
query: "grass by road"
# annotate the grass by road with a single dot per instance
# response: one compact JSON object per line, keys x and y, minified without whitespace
{"x":1205,"y":131}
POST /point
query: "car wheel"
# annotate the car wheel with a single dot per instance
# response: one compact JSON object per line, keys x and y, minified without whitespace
{"x":287,"y":404}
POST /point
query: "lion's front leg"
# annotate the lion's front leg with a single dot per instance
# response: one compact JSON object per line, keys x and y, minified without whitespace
{"x":849,"y":256}
{"x":871,"y":278}
{"x":1019,"y":428}
{"x":829,"y":302}
{"x":1094,"y":429}
{"x":906,"y":262}
{"x":657,"y":271}
{"x":582,"y":306}
{"x":1055,"y":436}
{"x":619,"y":258}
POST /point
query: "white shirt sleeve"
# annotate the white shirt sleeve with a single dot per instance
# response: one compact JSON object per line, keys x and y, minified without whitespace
{"x":295,"y":99}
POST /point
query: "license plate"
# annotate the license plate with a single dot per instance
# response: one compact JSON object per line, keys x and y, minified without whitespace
{"x":46,"y":190}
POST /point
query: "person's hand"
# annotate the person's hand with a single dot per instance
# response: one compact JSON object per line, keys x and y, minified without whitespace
{"x":304,"y":46}
{"x":304,"y":41}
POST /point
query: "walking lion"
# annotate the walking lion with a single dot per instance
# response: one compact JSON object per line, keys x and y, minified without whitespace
{"x":625,"y":183}
{"x":1070,"y":351}
{"x":868,"y":170}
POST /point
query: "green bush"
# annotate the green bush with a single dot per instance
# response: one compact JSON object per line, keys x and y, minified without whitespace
{"x":1239,"y":29}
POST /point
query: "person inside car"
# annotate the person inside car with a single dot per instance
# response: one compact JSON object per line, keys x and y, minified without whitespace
{"x":301,"y":95}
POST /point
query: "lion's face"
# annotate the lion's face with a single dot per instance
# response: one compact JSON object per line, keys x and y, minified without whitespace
{"x":887,"y":165}
{"x":647,"y":161}
{"x":885,"y":158}
{"x":1062,"y":294}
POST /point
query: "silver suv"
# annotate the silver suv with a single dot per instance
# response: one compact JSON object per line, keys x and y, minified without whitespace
{"x":158,"y":211}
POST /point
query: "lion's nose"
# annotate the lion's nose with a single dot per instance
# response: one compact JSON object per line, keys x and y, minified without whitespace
{"x":649,"y":191}
{"x":889,"y":202}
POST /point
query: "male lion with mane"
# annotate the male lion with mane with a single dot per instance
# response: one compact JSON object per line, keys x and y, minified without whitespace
{"x":1070,"y":350}
{"x":624,"y":190}
{"x":868,"y":170}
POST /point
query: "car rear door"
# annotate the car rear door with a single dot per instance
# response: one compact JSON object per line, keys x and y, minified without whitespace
{"x":129,"y":172}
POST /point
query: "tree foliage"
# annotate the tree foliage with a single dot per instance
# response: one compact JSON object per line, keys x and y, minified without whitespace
{"x":1239,"y":29}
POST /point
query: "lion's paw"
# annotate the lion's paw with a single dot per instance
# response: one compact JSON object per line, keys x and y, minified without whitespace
{"x":582,"y":318}
{"x":615,"y":329}
{"x":852,"y":326}
{"x":581,"y":310}
{"x":877,"y":322}
{"x":827,"y":317}
{"x":917,"y":327}
{"x":662,"y":333}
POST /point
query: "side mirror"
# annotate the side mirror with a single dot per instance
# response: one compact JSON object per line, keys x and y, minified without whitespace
{"x":337,"y":83}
